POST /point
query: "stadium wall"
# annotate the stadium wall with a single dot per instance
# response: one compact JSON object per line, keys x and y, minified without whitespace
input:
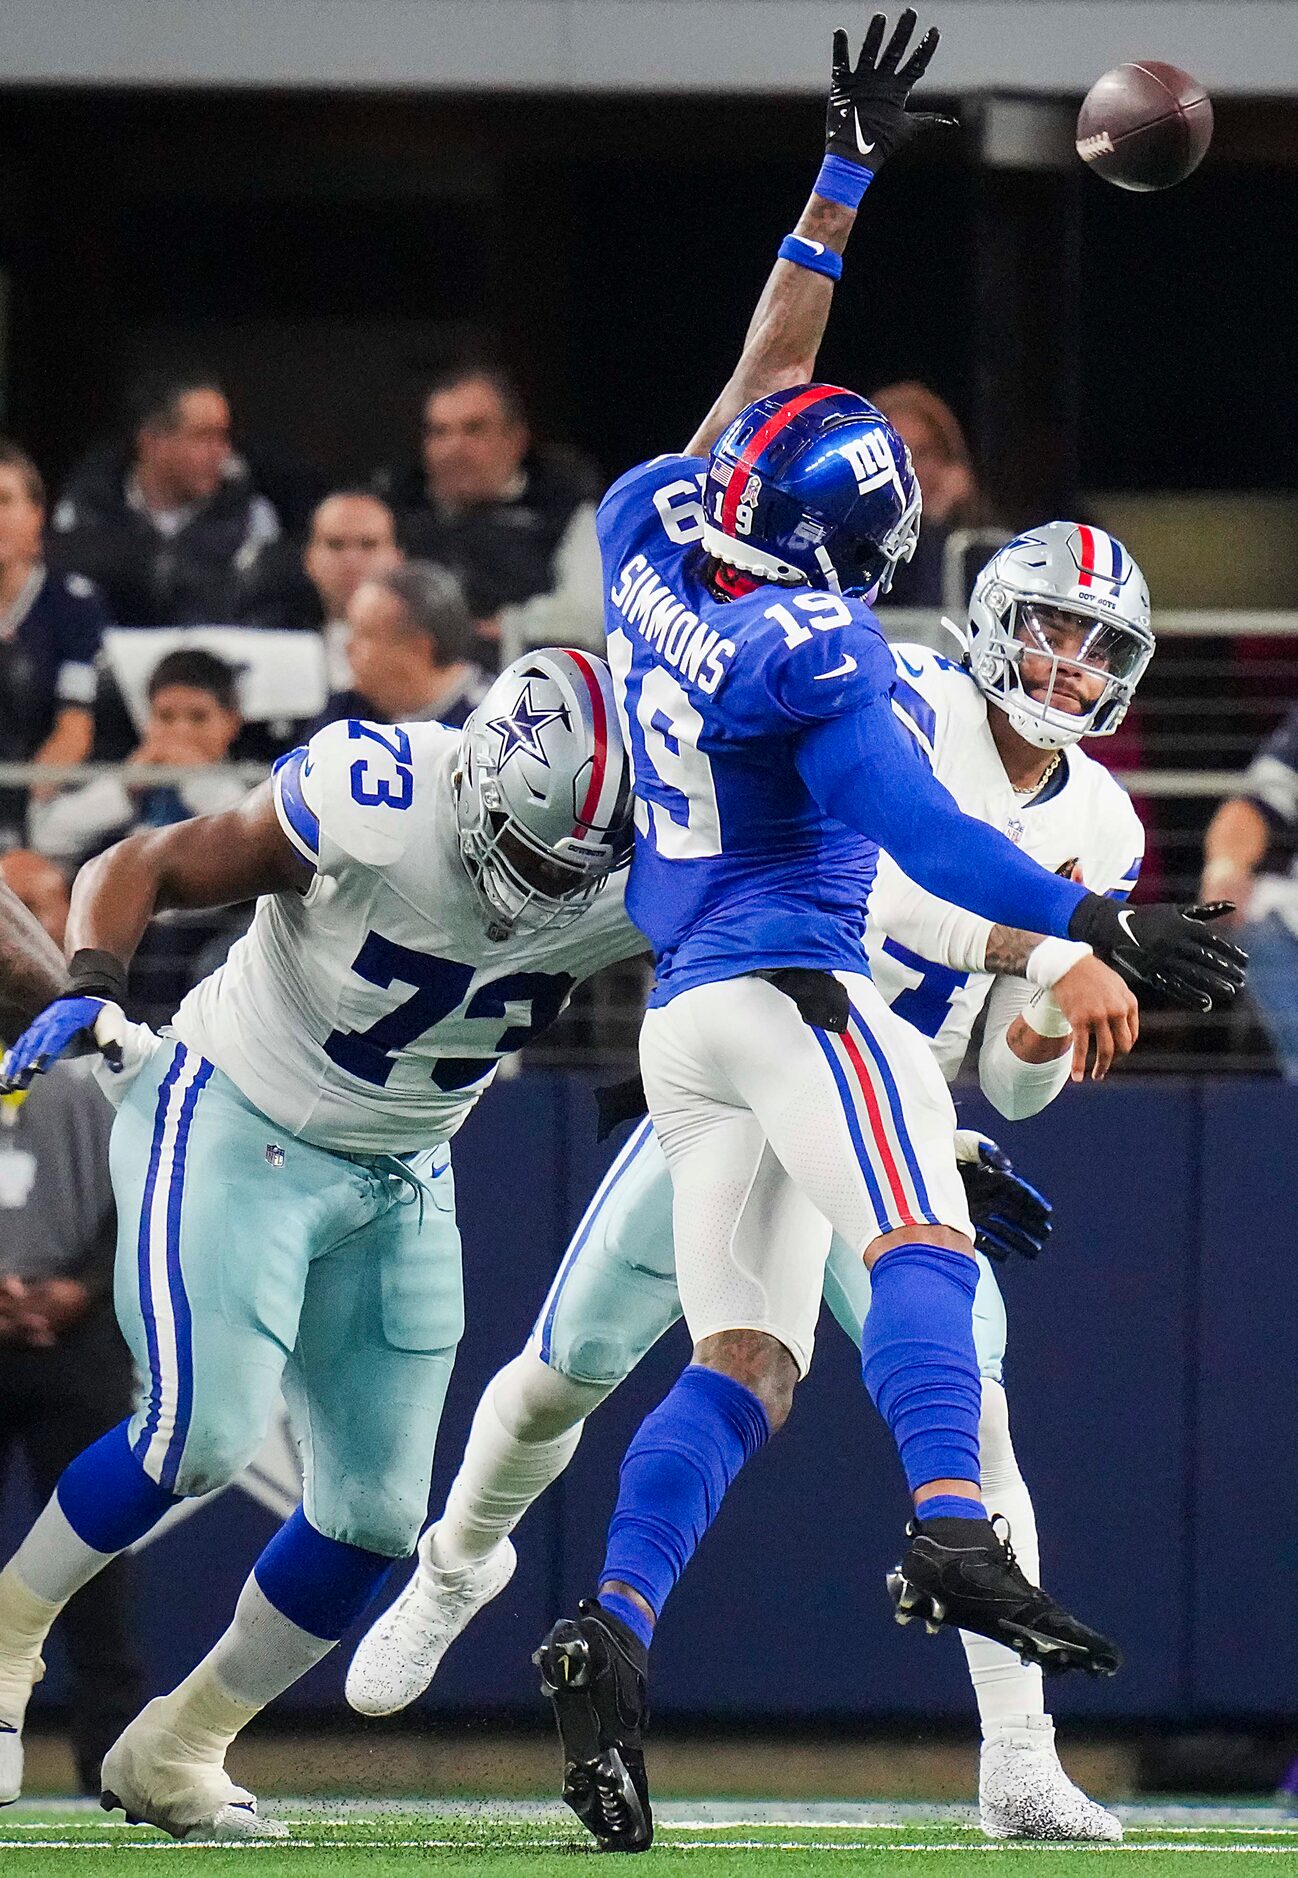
{"x":1150,"y":1376}
{"x":615,"y":45}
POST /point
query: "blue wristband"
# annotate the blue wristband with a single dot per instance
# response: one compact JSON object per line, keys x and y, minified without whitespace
{"x":812,"y":254}
{"x":841,"y":181}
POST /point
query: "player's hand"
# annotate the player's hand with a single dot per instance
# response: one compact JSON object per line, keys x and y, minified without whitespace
{"x":867,"y":119}
{"x":1164,"y":950}
{"x":1008,"y":1215}
{"x":74,"y":1022}
{"x":1104,"y":1014}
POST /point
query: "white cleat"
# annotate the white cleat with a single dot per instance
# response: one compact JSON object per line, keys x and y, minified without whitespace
{"x":1024,"y":1793}
{"x":19,"y":1675}
{"x":161,"y":1779}
{"x":11,"y":1763}
{"x":400,"y":1653}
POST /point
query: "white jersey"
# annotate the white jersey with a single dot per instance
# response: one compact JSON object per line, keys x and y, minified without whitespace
{"x":369,"y":1014}
{"x":925,"y":954}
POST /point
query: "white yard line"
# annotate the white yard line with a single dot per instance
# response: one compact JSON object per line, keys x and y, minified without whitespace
{"x":728,"y":1845}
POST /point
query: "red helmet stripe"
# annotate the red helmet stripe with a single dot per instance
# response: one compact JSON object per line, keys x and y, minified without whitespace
{"x":758,"y":442}
{"x":599,"y":768}
{"x":1088,"y":555}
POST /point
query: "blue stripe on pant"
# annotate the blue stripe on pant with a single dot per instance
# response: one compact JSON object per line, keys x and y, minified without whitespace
{"x":164,"y":1303}
{"x":251,"y":1262}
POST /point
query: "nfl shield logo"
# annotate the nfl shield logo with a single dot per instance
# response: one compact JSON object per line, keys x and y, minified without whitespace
{"x":1013,"y":828}
{"x":274,"y":1154}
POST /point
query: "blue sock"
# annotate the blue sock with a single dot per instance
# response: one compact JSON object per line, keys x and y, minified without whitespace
{"x":319,"y":1584}
{"x":674,"y":1477}
{"x":106,"y":1496}
{"x":950,"y":1506}
{"x":919,"y":1365}
{"x":638,"y":1622}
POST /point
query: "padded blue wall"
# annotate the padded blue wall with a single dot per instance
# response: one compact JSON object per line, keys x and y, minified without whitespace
{"x":1152,"y":1382}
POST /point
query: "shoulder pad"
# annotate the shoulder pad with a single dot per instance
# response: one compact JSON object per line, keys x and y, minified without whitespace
{"x":362,"y":780}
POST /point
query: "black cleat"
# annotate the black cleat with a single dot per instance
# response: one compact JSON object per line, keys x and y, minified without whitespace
{"x":960,"y":1572}
{"x":593,"y":1670}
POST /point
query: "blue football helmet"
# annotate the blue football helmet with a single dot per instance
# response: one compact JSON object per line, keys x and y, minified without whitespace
{"x":812,"y":486}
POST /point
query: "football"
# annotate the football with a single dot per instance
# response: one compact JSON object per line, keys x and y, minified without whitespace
{"x":1144,"y":125}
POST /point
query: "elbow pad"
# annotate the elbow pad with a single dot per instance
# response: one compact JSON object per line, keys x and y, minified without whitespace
{"x":1014,"y":1088}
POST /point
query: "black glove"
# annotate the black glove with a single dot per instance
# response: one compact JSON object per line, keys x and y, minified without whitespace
{"x":867,"y":117}
{"x":1008,"y":1215}
{"x":1164,"y":950}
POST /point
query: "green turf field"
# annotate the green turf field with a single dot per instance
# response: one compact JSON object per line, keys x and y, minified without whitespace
{"x":496,"y":1840}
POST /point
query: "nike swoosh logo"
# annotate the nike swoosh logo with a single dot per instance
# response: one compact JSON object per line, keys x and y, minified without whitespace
{"x":817,"y":247}
{"x":916,"y":671}
{"x":864,"y":147}
{"x":1124,"y":920}
{"x":844,"y":670}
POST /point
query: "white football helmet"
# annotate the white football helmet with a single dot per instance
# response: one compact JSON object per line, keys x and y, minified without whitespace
{"x":543,"y":792}
{"x":1022,"y":605}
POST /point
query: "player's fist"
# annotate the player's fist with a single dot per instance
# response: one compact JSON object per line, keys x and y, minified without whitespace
{"x":73,"y":1021}
{"x":867,"y":119}
{"x":1008,"y":1215}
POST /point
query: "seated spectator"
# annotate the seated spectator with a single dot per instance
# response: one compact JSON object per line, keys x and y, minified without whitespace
{"x":940,"y":455}
{"x":353,"y":537}
{"x":350,"y":534}
{"x":515,"y":524}
{"x":65,"y":1373}
{"x":193,"y":720}
{"x":410,"y":646}
{"x":50,"y":627}
{"x":170,"y":528}
{"x":1249,"y":857}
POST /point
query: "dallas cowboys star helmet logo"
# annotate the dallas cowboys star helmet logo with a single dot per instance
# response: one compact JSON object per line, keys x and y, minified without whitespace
{"x":521,"y":729}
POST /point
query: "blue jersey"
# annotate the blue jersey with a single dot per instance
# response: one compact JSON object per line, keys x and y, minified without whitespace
{"x":736,"y":867}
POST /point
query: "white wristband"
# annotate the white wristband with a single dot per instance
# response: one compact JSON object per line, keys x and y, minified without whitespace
{"x":1048,"y":962}
{"x":1044,"y":1016}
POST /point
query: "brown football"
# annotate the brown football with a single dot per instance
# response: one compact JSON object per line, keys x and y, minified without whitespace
{"x":1144,"y":125}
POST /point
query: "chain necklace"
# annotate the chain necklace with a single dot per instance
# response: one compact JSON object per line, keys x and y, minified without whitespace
{"x":1035,"y":788}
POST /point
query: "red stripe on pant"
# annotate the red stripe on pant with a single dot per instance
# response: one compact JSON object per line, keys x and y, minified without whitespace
{"x":905,"y":1217}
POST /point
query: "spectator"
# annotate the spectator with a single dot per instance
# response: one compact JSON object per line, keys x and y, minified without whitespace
{"x":353,"y":537}
{"x":193,"y":720}
{"x":940,"y":455}
{"x":171,"y":529}
{"x":1248,"y":857}
{"x":515,"y":524}
{"x":410,"y":650}
{"x":65,"y":1375}
{"x":50,"y":627}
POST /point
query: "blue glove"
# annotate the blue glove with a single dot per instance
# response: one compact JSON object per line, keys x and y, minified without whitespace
{"x":1008,"y":1215}
{"x":92,"y":1022}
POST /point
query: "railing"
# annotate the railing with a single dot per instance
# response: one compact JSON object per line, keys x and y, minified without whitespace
{"x":1219,"y":684}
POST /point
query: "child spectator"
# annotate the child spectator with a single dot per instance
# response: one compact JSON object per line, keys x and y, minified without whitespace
{"x":193,"y":720}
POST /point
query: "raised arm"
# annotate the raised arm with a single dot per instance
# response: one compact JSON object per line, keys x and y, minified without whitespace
{"x":866,"y":121}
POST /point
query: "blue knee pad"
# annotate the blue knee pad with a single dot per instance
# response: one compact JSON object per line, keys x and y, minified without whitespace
{"x":106,"y":1496}
{"x":319,"y":1584}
